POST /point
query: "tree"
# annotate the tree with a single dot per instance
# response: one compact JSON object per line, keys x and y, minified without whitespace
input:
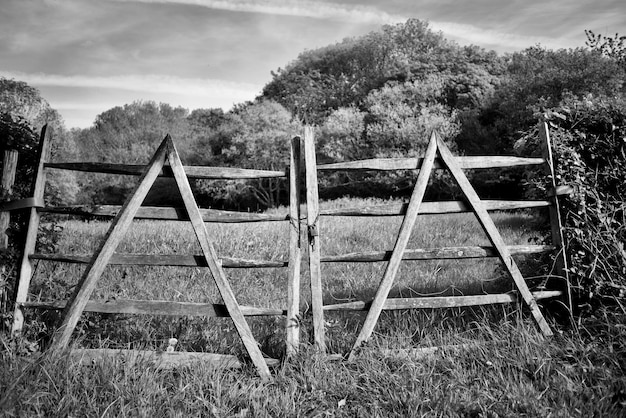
{"x":25,"y":106}
{"x":538,"y":78}
{"x":614,"y":47}
{"x":127,"y":134}
{"x":401,"y":117}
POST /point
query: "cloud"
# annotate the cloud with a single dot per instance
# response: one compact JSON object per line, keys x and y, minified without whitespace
{"x":149,"y":83}
{"x":499,"y":40}
{"x":299,"y":8}
{"x":369,"y":14}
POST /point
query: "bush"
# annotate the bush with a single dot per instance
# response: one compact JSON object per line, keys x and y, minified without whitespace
{"x":589,"y":142}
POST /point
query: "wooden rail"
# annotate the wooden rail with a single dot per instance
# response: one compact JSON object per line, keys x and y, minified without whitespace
{"x":433,"y":302}
{"x":158,"y":307}
{"x":161,"y":260}
{"x":394,"y":164}
{"x":194,"y":172}
{"x":167,"y":213}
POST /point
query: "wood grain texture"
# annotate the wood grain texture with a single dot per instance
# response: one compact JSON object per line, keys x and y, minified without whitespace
{"x":9,"y":167}
{"x":385,"y":164}
{"x":115,"y":234}
{"x":162,"y":260}
{"x":194,"y":172}
{"x":493,"y":234}
{"x":158,"y":307}
{"x":439,"y":301}
{"x":26,"y":203}
{"x":315,"y":269}
{"x":292,"y":324}
{"x":26,"y":267}
{"x":400,"y":246}
{"x":444,"y":253}
{"x":556,"y":225}
{"x":169,"y":213}
{"x":214,"y":266}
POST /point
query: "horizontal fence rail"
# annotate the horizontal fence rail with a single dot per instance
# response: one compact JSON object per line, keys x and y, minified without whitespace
{"x":393,"y":164}
{"x":168,"y":213}
{"x":445,"y":253}
{"x":173,"y":260}
{"x":432,"y":302}
{"x":159,"y":307}
{"x":194,"y":172}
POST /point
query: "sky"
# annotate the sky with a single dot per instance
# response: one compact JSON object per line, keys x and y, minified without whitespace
{"x":87,"y":56}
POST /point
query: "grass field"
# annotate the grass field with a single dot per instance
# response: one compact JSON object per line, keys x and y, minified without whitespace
{"x":504,"y":367}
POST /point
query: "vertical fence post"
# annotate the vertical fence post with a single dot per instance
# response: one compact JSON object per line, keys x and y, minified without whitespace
{"x":26,"y":268}
{"x":9,"y":166}
{"x":312,"y":218}
{"x":556,"y":224}
{"x":295,"y":250}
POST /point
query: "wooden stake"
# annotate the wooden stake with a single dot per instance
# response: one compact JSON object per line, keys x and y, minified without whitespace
{"x":401,"y":242}
{"x":295,"y":251}
{"x":26,"y":267}
{"x":9,"y":166}
{"x":493,"y":234}
{"x":212,"y":260}
{"x":555,"y":218}
{"x":312,"y":219}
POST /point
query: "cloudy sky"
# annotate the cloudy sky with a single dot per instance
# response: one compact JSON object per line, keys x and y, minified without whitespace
{"x":86,"y":56}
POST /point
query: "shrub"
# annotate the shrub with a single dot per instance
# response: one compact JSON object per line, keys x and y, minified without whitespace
{"x":589,"y":143}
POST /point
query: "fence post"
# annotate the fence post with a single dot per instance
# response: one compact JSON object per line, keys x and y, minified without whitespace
{"x":26,"y":268}
{"x":556,"y":223}
{"x":295,"y":249}
{"x":8,"y":179}
{"x":312,"y":218}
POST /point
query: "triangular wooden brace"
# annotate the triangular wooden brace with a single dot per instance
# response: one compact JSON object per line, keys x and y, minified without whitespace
{"x":119,"y":226}
{"x":437,"y":146}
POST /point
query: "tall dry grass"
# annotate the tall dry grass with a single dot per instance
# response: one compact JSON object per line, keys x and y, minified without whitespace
{"x":501,"y":365}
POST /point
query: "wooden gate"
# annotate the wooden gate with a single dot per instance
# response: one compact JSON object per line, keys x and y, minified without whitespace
{"x":438,"y":156}
{"x":166,"y":162}
{"x":123,"y":217}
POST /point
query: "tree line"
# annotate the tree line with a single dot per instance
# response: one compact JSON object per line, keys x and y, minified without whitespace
{"x":377,"y":95}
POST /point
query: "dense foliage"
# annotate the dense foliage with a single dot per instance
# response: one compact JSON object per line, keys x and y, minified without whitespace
{"x":380,"y":95}
{"x":589,"y":140}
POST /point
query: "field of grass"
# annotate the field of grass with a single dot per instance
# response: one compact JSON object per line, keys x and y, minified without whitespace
{"x":497,"y":363}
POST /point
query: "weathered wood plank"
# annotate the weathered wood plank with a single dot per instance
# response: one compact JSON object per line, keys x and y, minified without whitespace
{"x":556,"y":230}
{"x":119,"y":226}
{"x":400,"y":246}
{"x":493,"y":234}
{"x":439,"y":301}
{"x":385,"y":164}
{"x":26,"y":203}
{"x":433,"y":208}
{"x":161,"y":359}
{"x":315,"y":270}
{"x":435,"y":253}
{"x":158,"y":307}
{"x":194,"y":172}
{"x":9,"y":167}
{"x":168,"y":213}
{"x":162,"y":260}
{"x":292,"y":324}
{"x":26,"y":267}
{"x":210,"y":255}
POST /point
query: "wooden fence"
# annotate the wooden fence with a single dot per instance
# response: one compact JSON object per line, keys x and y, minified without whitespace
{"x":437,"y":157}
